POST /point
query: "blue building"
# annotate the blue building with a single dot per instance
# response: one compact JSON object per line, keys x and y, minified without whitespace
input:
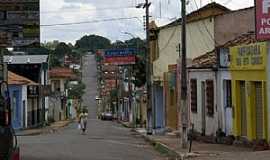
{"x":18,"y":99}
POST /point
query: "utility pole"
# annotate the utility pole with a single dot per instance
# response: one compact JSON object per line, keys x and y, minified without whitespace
{"x":117,"y":88}
{"x":184,"y":106}
{"x":148,"y":70}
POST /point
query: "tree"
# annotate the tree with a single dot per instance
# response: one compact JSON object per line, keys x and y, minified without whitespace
{"x":37,"y":51}
{"x":139,"y":72}
{"x":50,"y":45}
{"x":76,"y":91}
{"x":119,"y":44}
{"x":57,"y":56}
{"x":137,"y":43}
{"x":139,"y":67}
{"x":92,"y":43}
{"x":62,"y":49}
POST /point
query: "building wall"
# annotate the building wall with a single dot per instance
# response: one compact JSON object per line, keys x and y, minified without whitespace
{"x":268,"y":91}
{"x":61,"y":81}
{"x":16,"y":106}
{"x":24,"y":104}
{"x":222,"y":75}
{"x":249,"y":74}
{"x":55,"y":111}
{"x":199,"y":41}
{"x":237,"y":23}
{"x":196,"y":118}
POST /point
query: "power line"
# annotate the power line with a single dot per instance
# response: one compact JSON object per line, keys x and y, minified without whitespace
{"x":87,"y":10}
{"x":227,"y":2}
{"x":87,"y":22}
{"x":207,"y":30}
{"x":202,"y":33}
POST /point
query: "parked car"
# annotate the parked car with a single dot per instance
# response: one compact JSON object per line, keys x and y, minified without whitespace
{"x":107,"y":116}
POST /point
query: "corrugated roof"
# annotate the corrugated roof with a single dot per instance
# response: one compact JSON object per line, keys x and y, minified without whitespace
{"x":209,"y":60}
{"x":15,"y":79}
{"x":26,"y":59}
{"x":62,"y":72}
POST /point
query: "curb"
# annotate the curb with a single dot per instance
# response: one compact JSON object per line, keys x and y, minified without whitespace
{"x":46,"y":130}
{"x":166,"y":150}
{"x":124,"y":124}
{"x":160,"y":147}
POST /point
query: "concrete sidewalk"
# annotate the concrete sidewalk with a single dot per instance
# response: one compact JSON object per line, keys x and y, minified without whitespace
{"x":46,"y":130}
{"x":170,"y":145}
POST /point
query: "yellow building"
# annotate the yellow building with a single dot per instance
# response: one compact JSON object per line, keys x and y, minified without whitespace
{"x":249,"y":96}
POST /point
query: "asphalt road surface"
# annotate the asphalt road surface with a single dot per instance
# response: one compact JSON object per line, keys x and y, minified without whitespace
{"x":104,"y":140}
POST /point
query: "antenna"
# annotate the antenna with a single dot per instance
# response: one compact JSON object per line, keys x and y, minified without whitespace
{"x":160,"y":9}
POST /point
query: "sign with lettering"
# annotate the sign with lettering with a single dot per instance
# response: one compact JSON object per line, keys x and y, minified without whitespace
{"x":120,"y":56}
{"x":262,"y":19}
{"x":249,"y":57}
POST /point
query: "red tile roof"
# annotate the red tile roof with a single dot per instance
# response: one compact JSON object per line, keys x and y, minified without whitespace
{"x":209,"y":60}
{"x":62,"y":72}
{"x":15,"y":79}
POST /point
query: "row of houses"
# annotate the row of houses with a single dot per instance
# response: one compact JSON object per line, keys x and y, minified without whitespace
{"x":227,"y":74}
{"x":38,"y":95}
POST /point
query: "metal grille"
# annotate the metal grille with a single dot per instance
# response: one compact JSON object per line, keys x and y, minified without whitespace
{"x":259,"y":110}
{"x":243,"y":109}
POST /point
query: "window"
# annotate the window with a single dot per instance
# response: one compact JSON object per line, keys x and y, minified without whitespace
{"x":56,"y":84}
{"x":193,"y":87}
{"x":14,"y":105}
{"x":15,"y":34}
{"x":210,"y":97}
{"x":228,"y":93}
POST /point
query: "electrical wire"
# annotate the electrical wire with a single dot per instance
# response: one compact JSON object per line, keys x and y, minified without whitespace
{"x":169,"y":40}
{"x":87,"y":22}
{"x":227,"y":2}
{"x":202,"y":33}
{"x":207,"y":30}
{"x":88,"y":10}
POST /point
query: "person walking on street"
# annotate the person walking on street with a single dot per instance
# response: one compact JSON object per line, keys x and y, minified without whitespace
{"x":83,"y":120}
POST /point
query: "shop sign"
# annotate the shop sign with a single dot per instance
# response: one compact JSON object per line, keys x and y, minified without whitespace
{"x":33,"y":91}
{"x":120,"y":56}
{"x":262,"y":19}
{"x":248,"y":57}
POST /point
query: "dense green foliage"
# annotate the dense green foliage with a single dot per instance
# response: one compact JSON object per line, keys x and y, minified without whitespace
{"x":90,"y":43}
{"x":77,"y":91}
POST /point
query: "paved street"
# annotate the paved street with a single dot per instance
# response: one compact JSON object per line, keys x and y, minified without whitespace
{"x":104,"y":140}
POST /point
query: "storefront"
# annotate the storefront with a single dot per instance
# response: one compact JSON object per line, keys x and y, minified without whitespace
{"x":249,"y":95}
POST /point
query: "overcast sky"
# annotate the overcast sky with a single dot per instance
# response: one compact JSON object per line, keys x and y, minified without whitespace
{"x":70,"y":11}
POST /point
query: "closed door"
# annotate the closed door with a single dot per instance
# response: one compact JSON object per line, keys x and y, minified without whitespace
{"x":228,"y":106}
{"x":203,"y":108}
{"x":24,"y":113}
{"x":159,"y":108}
{"x":259,"y":110}
{"x":243,"y":109}
{"x":16,"y":118}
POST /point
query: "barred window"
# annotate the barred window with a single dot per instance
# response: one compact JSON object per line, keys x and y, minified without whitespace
{"x":210,"y":97}
{"x":193,"y":87}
